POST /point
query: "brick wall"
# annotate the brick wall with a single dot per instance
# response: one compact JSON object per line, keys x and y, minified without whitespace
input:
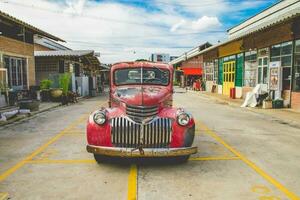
{"x":15,"y":46}
{"x":296,"y":100}
{"x":11,"y":47}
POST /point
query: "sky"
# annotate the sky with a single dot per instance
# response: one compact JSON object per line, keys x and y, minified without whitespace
{"x":125,"y":30}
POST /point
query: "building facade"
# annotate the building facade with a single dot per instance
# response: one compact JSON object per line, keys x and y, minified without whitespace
{"x":261,"y":50}
{"x":17,"y":64}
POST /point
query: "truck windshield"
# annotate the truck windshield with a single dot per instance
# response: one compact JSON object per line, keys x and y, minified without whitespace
{"x":151,"y":76}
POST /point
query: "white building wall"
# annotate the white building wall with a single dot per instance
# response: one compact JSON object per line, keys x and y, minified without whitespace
{"x":160,"y":57}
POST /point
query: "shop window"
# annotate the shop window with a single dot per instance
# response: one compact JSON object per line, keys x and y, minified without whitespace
{"x":265,"y":61}
{"x":17,"y":72}
{"x":286,"y":61}
{"x":250,"y":68}
{"x":275,"y":50}
{"x":286,"y":48}
{"x":209,"y":71}
{"x":296,"y":82}
{"x":262,"y":70}
{"x":216,"y":64}
{"x":283,"y":54}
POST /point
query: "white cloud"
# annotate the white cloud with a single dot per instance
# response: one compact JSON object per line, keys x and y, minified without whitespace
{"x":206,"y":23}
{"x":178,"y":25}
{"x":118,"y":30}
{"x":75,"y":7}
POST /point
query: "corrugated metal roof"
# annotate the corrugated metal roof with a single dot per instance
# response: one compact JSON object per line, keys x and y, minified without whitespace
{"x":30,"y":27}
{"x":76,"y":53}
{"x":280,"y":12}
{"x":257,"y":14}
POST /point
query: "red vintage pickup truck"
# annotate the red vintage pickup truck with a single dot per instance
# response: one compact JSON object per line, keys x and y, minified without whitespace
{"x":140,"y":120}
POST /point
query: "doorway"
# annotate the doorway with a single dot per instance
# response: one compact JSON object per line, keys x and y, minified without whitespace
{"x":228,"y":77}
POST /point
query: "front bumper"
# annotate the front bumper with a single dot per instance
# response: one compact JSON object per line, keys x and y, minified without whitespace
{"x":146,"y":152}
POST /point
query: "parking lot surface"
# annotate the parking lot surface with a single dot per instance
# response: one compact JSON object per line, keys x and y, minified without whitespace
{"x":241,"y":155}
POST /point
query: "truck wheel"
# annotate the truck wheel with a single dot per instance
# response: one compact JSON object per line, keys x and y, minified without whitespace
{"x":100,"y":158}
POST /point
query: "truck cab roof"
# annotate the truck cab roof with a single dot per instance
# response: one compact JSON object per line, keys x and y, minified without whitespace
{"x":140,"y":64}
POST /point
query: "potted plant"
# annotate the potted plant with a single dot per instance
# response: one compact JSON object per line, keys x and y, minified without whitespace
{"x":64,"y":82}
{"x":56,"y":94}
{"x":45,"y":89}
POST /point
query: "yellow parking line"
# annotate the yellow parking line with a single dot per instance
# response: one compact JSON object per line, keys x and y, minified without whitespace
{"x":11,"y":170}
{"x":258,"y":170}
{"x":71,"y":134}
{"x":3,"y":196}
{"x":132,"y":183}
{"x":59,"y":161}
{"x":213,"y":158}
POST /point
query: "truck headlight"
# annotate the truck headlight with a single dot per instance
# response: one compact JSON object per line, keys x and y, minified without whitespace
{"x":183,"y":119}
{"x":99,"y":118}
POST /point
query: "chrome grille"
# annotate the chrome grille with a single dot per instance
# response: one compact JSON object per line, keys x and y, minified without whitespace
{"x":138,"y":113}
{"x":126,"y":133}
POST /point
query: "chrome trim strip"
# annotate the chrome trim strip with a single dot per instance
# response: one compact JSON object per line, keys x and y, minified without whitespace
{"x":149,"y":152}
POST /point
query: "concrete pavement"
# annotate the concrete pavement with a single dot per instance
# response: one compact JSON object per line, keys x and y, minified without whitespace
{"x":242,"y":155}
{"x":284,"y":115}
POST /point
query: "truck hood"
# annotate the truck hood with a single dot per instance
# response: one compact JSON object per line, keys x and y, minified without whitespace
{"x":146,"y":95}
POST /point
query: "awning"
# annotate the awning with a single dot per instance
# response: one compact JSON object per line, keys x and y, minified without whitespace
{"x":192,"y":71}
{"x":86,"y":56}
{"x":58,"y":53}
